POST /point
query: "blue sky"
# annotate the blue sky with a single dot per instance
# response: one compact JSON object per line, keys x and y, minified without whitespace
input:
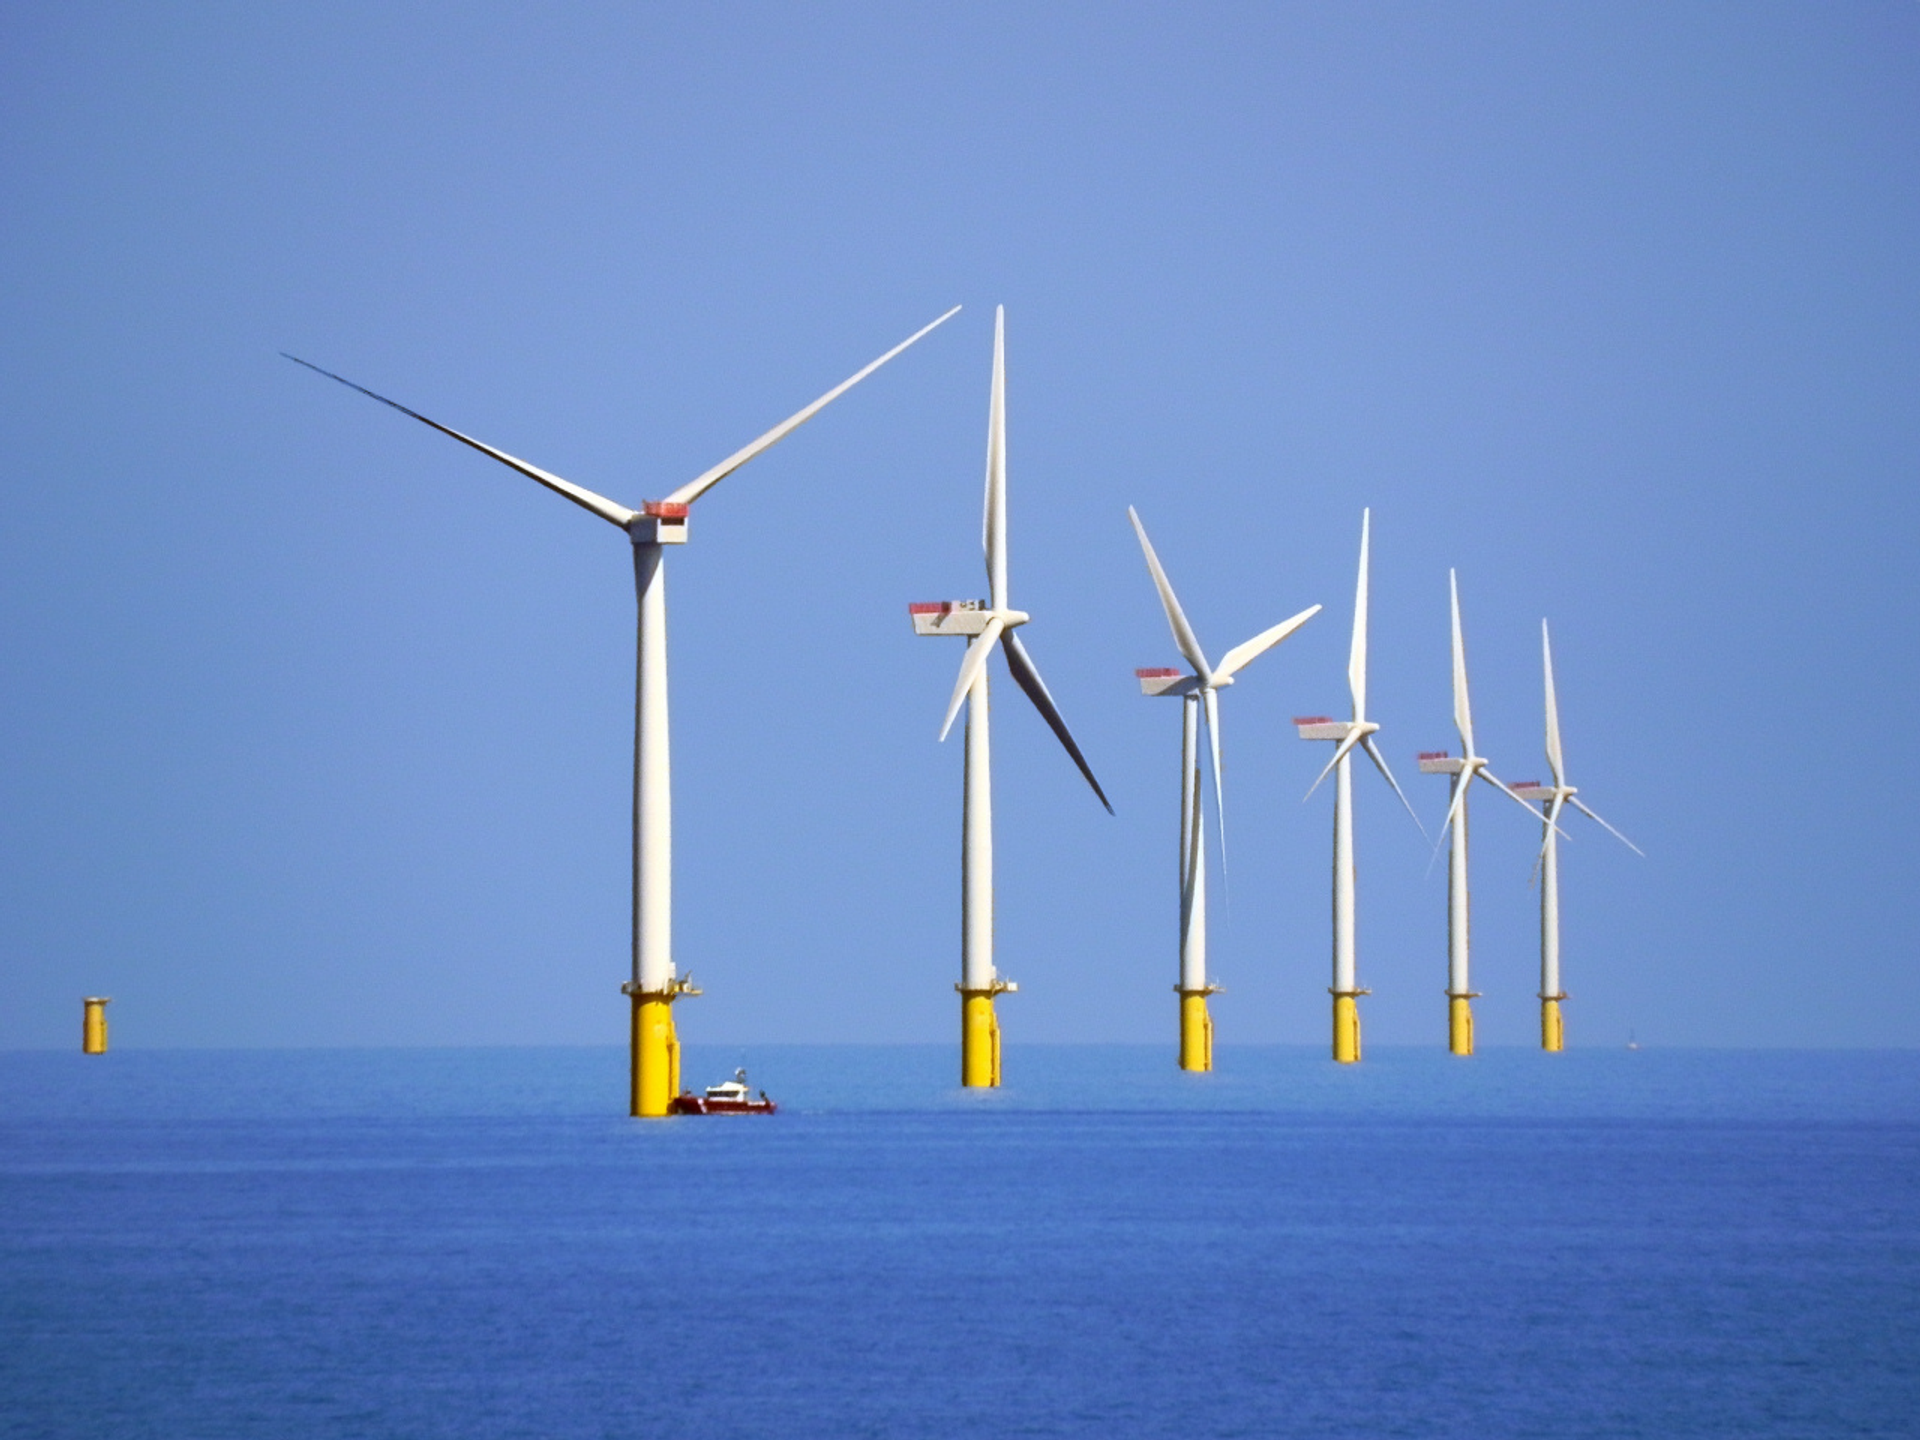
{"x":317,"y":726}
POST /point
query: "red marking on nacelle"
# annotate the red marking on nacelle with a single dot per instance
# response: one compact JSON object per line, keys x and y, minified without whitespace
{"x":1433,"y":755}
{"x":930,"y":607}
{"x":1526,"y":785}
{"x":663,"y":510}
{"x":1154,"y":674}
{"x":1313,"y":719}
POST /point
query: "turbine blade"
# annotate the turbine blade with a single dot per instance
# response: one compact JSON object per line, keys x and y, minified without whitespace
{"x":1380,"y":763}
{"x":1027,"y":676}
{"x":993,"y":516}
{"x":1236,"y":659}
{"x":599,"y":504}
{"x":1453,"y":807}
{"x":699,"y":486}
{"x":1552,"y":817}
{"x":978,"y":649}
{"x":1555,"y":761}
{"x":1183,"y":635}
{"x":1193,"y":840}
{"x":1462,"y":711}
{"x":1357,"y":657}
{"x":1339,"y":752}
{"x":1608,"y":828}
{"x":1212,"y":699}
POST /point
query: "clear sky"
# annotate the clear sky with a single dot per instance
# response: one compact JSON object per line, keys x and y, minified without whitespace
{"x":317,"y":726}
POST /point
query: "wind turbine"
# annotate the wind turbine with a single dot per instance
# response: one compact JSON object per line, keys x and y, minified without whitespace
{"x":655,"y":985}
{"x":1554,"y":797}
{"x":1470,"y":767}
{"x":984,"y":623}
{"x":1200,"y":687}
{"x":1350,"y":735}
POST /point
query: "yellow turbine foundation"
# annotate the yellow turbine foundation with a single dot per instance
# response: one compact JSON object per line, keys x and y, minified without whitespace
{"x":1553,"y":1035}
{"x":1196,"y":1029}
{"x":655,"y":1053}
{"x":980,"y":1037}
{"x":1346,"y":1026}
{"x":93,"y":1024}
{"x":1460,"y":1022}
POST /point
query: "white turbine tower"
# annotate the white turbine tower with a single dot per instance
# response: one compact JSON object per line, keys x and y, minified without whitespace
{"x":1350,"y":735}
{"x":1200,"y":688}
{"x":655,"y":984}
{"x":1554,"y":798}
{"x":984,"y":623}
{"x":1470,"y":767}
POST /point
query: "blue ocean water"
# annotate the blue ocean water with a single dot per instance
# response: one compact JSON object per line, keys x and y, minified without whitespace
{"x":477,"y":1243}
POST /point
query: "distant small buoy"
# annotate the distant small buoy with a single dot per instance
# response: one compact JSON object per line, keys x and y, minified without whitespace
{"x":93,"y":1024}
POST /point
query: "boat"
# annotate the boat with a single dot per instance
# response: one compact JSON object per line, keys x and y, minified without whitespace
{"x":729,"y":1097}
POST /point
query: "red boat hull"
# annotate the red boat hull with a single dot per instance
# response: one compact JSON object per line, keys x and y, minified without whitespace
{"x":687,"y":1103}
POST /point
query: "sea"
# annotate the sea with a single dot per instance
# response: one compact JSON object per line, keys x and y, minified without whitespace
{"x":477,"y":1243}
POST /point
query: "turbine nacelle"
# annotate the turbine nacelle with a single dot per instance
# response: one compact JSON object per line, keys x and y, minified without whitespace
{"x":1545,"y":794}
{"x":660,"y":522}
{"x":1320,"y":727}
{"x":1176,"y":682}
{"x":1439,"y":762}
{"x":961,"y":617}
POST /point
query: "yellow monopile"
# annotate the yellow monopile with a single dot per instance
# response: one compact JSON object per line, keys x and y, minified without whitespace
{"x":1460,"y":1024}
{"x":1196,"y":1030}
{"x":655,"y":1052}
{"x":1346,"y":1027}
{"x":979,"y":1040}
{"x":1553,"y":1035}
{"x":93,"y":1024}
